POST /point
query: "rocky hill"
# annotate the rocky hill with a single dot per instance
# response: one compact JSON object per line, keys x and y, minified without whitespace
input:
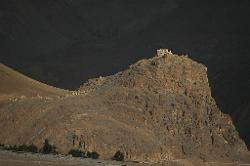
{"x":55,"y":41}
{"x":158,"y":109}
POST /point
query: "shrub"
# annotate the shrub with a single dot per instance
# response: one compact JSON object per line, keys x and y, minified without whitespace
{"x":93,"y":155}
{"x":77,"y":153}
{"x":7,"y":147}
{"x":23,"y":148}
{"x":15,"y":148}
{"x":32,"y":148}
{"x":48,"y":148}
{"x":119,"y":156}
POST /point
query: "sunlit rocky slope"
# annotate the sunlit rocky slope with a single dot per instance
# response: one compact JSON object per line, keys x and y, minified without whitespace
{"x":158,"y":109}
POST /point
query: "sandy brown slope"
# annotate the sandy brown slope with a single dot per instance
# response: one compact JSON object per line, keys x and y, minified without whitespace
{"x":122,"y":32}
{"x":14,"y":84}
{"x":158,"y":109}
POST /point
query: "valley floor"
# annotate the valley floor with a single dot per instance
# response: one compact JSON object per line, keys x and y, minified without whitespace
{"x":8,"y":158}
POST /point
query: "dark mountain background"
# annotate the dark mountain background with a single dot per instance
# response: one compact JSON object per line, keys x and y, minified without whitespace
{"x":65,"y":42}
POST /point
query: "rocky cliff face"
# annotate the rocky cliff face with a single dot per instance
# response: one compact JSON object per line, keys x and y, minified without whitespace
{"x":158,"y":109}
{"x":170,"y":96}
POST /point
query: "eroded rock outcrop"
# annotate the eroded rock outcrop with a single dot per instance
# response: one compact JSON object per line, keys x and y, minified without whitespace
{"x":171,"y":97}
{"x":158,"y":109}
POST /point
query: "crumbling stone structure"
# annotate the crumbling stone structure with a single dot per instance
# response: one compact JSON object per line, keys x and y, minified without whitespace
{"x":163,"y":51}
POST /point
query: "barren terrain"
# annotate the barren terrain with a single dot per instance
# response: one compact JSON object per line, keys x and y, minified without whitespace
{"x":65,"y":42}
{"x":14,"y":84}
{"x":28,"y":159}
{"x":158,"y":110}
